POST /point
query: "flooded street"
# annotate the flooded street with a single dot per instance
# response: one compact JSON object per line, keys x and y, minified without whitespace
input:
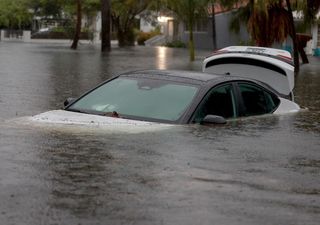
{"x":263,"y":170}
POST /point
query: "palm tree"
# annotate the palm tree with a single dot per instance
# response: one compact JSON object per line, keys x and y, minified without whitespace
{"x":310,"y":9}
{"x":105,"y":25}
{"x":78,"y":26}
{"x":213,"y":22}
{"x":294,"y":38}
{"x":268,"y":22}
{"x":189,"y":11}
{"x":272,"y":21}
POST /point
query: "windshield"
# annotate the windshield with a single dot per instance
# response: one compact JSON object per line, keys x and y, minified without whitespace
{"x":147,"y":98}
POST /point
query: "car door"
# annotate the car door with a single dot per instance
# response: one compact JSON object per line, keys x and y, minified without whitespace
{"x":255,"y":100}
{"x":219,"y":101}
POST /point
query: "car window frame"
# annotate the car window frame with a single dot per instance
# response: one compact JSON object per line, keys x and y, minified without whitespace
{"x":209,"y":91}
{"x":242,"y":108}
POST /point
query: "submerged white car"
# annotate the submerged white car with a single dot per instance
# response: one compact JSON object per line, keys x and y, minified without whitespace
{"x":235,"y":82}
{"x":171,"y":97}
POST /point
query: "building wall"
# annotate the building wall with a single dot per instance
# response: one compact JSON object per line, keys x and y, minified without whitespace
{"x":316,"y":40}
{"x":225,"y":37}
{"x":145,"y":25}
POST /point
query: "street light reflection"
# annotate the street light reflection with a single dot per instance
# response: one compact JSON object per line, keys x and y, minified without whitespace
{"x":161,"y":58}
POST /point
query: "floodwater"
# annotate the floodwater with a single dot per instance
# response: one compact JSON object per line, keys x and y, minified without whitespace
{"x":263,"y":170}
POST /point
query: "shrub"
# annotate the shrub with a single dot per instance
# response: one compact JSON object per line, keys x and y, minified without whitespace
{"x":176,"y":44}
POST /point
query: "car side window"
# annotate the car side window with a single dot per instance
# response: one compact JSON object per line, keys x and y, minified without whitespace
{"x":256,"y":100}
{"x":220,"y":101}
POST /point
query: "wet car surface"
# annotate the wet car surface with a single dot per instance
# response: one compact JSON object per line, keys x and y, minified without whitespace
{"x":179,"y":97}
{"x":253,"y":171}
{"x":169,"y":97}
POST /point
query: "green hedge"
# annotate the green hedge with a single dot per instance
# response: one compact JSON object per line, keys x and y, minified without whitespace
{"x":176,"y":44}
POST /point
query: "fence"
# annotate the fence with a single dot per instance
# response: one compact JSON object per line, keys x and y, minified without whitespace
{"x":12,"y":34}
{"x":15,"y":35}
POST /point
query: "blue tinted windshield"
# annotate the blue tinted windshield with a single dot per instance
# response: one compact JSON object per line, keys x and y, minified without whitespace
{"x":147,"y":98}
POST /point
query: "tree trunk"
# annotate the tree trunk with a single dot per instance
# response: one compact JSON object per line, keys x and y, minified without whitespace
{"x":302,"y":40}
{"x":251,"y":2}
{"x":294,"y":39}
{"x":191,"y":40}
{"x":191,"y":43}
{"x":105,"y":25}
{"x":214,"y":32}
{"x":303,"y":54}
{"x":78,"y":26}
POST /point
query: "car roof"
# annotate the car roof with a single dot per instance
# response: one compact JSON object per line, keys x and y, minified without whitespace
{"x":191,"y":77}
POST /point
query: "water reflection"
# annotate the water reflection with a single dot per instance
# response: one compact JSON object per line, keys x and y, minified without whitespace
{"x":161,"y":58}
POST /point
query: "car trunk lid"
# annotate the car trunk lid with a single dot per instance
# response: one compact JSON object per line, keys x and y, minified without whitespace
{"x":271,"y":66}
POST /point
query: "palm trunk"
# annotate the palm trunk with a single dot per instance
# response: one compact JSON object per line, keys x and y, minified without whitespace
{"x":78,"y":26}
{"x":303,"y":54}
{"x":191,"y":44}
{"x":105,"y":25}
{"x":251,"y":2}
{"x":294,"y":39}
{"x":214,"y":32}
{"x":191,"y":40}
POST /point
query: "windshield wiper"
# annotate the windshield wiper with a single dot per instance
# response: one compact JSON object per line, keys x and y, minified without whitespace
{"x":114,"y":114}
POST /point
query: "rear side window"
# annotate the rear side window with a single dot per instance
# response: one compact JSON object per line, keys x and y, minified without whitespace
{"x":256,"y":100}
{"x":220,"y":101}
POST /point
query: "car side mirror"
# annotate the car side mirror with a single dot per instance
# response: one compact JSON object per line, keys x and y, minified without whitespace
{"x":68,"y":101}
{"x":213,"y":119}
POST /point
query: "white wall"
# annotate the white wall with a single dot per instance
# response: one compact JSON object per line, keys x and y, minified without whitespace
{"x":314,"y":36}
{"x":1,"y":35}
{"x":145,"y":26}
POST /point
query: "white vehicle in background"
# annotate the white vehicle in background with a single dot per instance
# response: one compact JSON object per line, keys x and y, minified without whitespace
{"x":273,"y":67}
